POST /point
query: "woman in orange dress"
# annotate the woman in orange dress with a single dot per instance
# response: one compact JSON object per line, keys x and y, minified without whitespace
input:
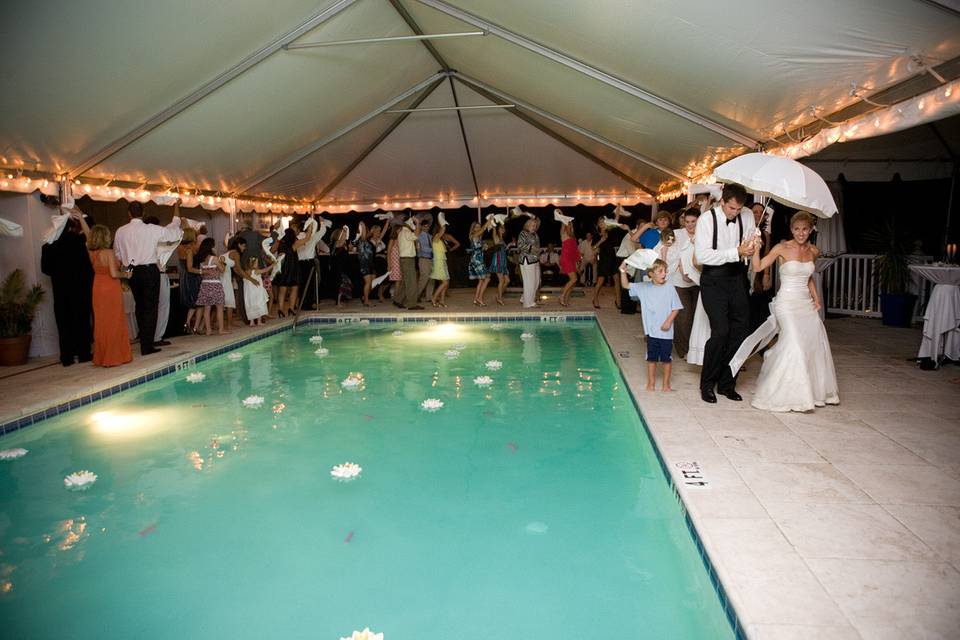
{"x":111,"y":340}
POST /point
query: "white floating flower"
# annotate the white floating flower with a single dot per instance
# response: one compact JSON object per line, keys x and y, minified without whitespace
{"x":452,"y":353}
{"x":322,"y":351}
{"x":431,"y":404}
{"x":494,"y":365}
{"x":316,"y":339}
{"x":460,"y":346}
{"x":397,"y":333}
{"x":12,"y":454}
{"x":366,"y":634}
{"x":253,"y":401}
{"x":526,"y":335}
{"x":196,"y":377}
{"x":431,"y":322}
{"x":346,"y":471}
{"x":496,"y":326}
{"x":79,"y":480}
{"x":483,"y":381}
{"x":364,"y":321}
{"x":352,"y":381}
{"x":234,"y":356}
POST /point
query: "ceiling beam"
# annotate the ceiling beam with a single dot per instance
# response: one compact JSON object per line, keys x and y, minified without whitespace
{"x":590,"y":71}
{"x":474,"y":84}
{"x":376,"y":143}
{"x":303,"y":152}
{"x":210,"y":86}
{"x":412,"y":23}
{"x":566,"y":142}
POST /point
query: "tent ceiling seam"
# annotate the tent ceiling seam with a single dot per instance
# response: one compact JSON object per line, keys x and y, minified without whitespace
{"x":463,"y":132}
{"x":590,"y":71}
{"x":209,"y":87}
{"x":474,"y":83}
{"x":415,"y":27}
{"x":564,"y":141}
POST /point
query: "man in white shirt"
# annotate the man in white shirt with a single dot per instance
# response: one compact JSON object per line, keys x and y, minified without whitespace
{"x":135,"y":244}
{"x":687,"y":289}
{"x":724,"y":237}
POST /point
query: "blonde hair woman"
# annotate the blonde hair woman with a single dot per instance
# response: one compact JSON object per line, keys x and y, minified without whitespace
{"x":111,"y":340}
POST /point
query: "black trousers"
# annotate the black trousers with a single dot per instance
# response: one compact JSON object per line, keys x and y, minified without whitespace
{"x":145,"y":286}
{"x":73,"y":310}
{"x":725,"y":299}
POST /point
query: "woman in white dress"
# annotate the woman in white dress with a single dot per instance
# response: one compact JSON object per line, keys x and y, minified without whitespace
{"x":797,"y":372}
{"x":255,"y":297}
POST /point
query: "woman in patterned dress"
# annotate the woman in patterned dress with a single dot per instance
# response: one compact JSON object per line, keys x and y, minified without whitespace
{"x":499,"y":264}
{"x":477,"y":267}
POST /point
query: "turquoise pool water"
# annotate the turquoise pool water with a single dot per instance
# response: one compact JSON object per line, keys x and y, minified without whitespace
{"x":532,"y":508}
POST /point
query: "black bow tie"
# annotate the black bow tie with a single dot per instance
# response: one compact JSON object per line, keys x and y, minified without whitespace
{"x":729,"y":221}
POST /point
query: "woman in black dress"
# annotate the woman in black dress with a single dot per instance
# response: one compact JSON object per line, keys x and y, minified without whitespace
{"x":67,"y":263}
{"x":606,"y":251}
{"x":288,"y":278}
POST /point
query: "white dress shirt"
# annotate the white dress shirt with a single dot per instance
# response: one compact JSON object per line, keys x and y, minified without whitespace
{"x":135,"y":243}
{"x":728,"y":237}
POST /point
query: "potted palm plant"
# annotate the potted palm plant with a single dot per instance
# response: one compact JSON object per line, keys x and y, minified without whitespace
{"x":17,"y":307}
{"x":892,"y":271}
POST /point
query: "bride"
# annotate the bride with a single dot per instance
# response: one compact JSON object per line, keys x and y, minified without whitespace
{"x":797,"y":372}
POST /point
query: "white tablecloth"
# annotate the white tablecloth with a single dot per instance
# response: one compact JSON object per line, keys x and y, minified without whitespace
{"x":941,"y":321}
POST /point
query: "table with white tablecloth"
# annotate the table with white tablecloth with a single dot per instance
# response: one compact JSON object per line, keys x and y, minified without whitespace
{"x":941,"y":320}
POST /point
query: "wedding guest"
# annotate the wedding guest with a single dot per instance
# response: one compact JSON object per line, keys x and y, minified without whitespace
{"x":136,"y":244}
{"x":477,"y":267}
{"x":164,"y":252}
{"x":365,"y":253}
{"x":588,"y":260}
{"x":233,"y":272}
{"x":307,"y":239}
{"x":528,"y":247}
{"x":66,"y":261}
{"x":424,"y":260}
{"x":440,"y":273}
{"x":393,"y":264}
{"x":659,"y":306}
{"x":569,"y":259}
{"x":407,"y":243}
{"x":189,"y":277}
{"x":761,"y":283}
{"x":606,"y":253}
{"x":255,"y":296}
{"x":288,"y":280}
{"x":498,"y":263}
{"x":678,"y":268}
{"x":111,"y":340}
{"x":340,"y":265}
{"x":724,"y":236}
{"x":211,"y":294}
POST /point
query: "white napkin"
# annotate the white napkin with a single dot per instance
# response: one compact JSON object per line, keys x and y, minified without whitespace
{"x":562,"y":219}
{"x":376,"y":281}
{"x":8,"y":228}
{"x":642,"y":259}
{"x":59,"y":223}
{"x":610,"y":222}
{"x":442,"y":219}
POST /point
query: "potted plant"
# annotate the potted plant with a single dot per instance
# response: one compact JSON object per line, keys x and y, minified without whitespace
{"x":17,"y":307}
{"x":892,"y":272}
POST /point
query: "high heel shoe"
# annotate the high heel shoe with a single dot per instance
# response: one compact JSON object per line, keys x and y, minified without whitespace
{"x":500,"y":302}
{"x":281,"y":314}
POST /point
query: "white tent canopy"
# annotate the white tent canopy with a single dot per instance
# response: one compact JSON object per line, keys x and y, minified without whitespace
{"x":612,"y":101}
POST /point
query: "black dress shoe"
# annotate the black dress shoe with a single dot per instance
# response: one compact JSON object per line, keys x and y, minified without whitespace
{"x":708,"y":396}
{"x":732,"y":395}
{"x":162,"y":343}
{"x":149,"y":351}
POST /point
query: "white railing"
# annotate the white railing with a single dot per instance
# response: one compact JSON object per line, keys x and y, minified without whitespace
{"x":851,"y":288}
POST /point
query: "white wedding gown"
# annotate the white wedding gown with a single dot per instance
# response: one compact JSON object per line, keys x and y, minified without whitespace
{"x":797,"y":372}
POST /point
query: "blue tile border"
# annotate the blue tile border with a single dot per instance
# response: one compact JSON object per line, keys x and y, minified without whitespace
{"x":728,"y":609}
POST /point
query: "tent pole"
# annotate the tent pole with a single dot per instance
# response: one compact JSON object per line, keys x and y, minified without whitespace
{"x":592,"y":72}
{"x":466,"y":144}
{"x":474,"y":84}
{"x":182,"y":104}
{"x":302,"y":153}
{"x":953,"y":188}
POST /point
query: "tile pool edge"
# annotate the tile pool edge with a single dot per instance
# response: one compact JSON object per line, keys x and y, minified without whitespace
{"x":726,"y":601}
{"x":32,"y":415}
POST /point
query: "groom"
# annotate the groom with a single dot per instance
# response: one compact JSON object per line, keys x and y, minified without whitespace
{"x":723,"y":239}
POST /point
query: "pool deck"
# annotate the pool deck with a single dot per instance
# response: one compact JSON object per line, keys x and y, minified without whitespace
{"x":839,"y":523}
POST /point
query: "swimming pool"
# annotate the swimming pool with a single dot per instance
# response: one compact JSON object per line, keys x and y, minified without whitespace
{"x":534,"y":506}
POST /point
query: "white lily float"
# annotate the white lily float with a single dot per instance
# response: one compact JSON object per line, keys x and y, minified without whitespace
{"x":365,"y":321}
{"x":459,"y":346}
{"x":452,"y":353}
{"x":483,"y":381}
{"x":316,"y":339}
{"x":431,"y":404}
{"x":12,"y":454}
{"x":366,"y":634}
{"x":431,"y":322}
{"x":526,"y":335}
{"x":494,"y":365}
{"x":79,"y":480}
{"x":196,"y":377}
{"x":397,"y":333}
{"x":253,"y":402}
{"x":352,"y":381}
{"x":496,"y":326}
{"x":322,"y":352}
{"x":234,"y":356}
{"x":346,"y":471}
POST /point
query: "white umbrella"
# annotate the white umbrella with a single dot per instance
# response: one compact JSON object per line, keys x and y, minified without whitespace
{"x":782,"y":179}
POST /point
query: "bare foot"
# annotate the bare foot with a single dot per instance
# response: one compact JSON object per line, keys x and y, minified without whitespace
{"x":650,"y":387}
{"x":667,"y":389}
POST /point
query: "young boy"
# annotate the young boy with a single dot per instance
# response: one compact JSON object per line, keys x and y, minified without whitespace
{"x":659,"y":306}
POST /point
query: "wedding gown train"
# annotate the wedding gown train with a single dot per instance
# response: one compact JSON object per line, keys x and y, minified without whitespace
{"x":797,"y":372}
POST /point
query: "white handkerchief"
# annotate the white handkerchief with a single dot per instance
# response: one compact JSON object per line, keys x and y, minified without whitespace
{"x":59,"y":223}
{"x":610,"y":222}
{"x":642,"y":259}
{"x":442,"y":219}
{"x":9,"y":228}
{"x":562,"y":219}
{"x":378,"y":280}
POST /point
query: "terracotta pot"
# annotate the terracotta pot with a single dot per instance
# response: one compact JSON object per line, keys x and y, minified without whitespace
{"x":14,"y":351}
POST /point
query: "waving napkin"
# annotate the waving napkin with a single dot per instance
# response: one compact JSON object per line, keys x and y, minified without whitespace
{"x":8,"y":228}
{"x":642,"y":259}
{"x":562,"y":219}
